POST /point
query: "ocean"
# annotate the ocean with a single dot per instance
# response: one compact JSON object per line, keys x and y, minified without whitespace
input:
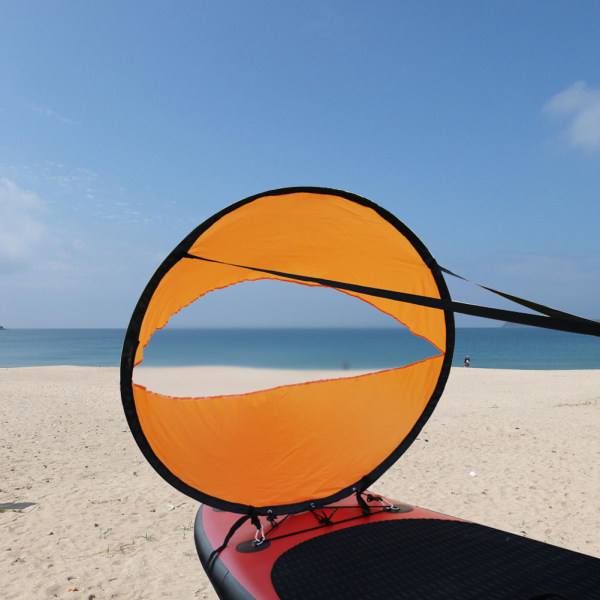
{"x":494,"y":347}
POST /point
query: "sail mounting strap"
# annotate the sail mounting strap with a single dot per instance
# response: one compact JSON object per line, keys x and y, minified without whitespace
{"x":259,"y":535}
{"x":213,"y":555}
{"x":361,"y":502}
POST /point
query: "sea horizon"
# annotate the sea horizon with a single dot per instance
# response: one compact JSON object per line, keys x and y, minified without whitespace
{"x":300,"y":347}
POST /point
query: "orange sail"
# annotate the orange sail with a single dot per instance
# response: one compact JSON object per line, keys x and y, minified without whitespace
{"x":324,"y":438}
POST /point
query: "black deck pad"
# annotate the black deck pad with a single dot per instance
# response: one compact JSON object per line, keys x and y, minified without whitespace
{"x":429,"y":559}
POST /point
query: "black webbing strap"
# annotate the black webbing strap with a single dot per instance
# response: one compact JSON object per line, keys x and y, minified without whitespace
{"x":252,"y":516}
{"x":361,"y":502}
{"x":213,"y":555}
{"x":545,"y":310}
{"x":549,"y":319}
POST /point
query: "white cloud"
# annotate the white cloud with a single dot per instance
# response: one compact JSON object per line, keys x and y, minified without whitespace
{"x":22,"y":232}
{"x":48,"y":112}
{"x":580,"y":104}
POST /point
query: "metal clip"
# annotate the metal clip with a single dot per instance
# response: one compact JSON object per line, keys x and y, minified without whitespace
{"x":387,"y":505}
{"x":259,"y":536}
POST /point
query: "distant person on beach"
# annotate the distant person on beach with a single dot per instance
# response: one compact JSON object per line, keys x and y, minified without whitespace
{"x":467,"y":361}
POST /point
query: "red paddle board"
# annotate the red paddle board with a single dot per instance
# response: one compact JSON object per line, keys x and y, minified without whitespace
{"x":401,"y":552}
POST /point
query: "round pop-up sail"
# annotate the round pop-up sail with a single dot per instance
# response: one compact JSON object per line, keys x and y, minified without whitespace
{"x":290,"y":447}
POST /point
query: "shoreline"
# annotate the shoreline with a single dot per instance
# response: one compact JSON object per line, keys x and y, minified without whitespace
{"x":85,"y":510}
{"x":220,"y":380}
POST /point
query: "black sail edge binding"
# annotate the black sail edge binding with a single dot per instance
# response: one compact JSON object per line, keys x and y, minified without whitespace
{"x":550,"y":318}
{"x":133,"y":340}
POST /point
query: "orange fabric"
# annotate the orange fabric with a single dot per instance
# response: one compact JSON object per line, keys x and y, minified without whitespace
{"x":300,"y":442}
{"x":287,"y":444}
{"x":318,"y":235}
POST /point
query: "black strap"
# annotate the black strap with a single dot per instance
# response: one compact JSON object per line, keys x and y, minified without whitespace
{"x":323,"y":518}
{"x":213,"y":555}
{"x":361,"y":502}
{"x":545,"y":310}
{"x":550,"y":318}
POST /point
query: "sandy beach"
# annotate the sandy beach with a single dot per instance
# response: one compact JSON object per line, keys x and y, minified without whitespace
{"x":85,"y":517}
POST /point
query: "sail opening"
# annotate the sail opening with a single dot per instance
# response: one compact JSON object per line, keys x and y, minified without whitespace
{"x":284,"y":333}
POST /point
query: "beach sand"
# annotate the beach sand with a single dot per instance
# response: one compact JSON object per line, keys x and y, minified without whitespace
{"x":84,"y":516}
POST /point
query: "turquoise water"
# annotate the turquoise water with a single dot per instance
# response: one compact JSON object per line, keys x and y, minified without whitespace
{"x":500,"y":348}
{"x":45,"y":347}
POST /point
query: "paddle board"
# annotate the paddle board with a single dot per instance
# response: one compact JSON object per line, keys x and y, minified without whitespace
{"x":393,"y":551}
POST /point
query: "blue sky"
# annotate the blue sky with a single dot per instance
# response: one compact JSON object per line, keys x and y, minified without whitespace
{"x":123,"y":125}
